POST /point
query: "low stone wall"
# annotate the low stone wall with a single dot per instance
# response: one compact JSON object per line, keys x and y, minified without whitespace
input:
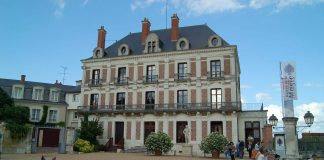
{"x":14,"y":146}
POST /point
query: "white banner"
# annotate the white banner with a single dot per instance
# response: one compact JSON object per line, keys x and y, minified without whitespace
{"x":288,"y":80}
{"x":280,"y":142}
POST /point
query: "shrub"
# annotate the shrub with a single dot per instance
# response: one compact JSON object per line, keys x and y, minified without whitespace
{"x":83,"y":146}
{"x":214,"y":141}
{"x":158,"y":142}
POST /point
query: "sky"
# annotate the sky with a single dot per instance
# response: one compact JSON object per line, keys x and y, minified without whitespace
{"x":39,"y":38}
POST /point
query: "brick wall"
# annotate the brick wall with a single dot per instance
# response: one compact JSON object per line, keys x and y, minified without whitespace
{"x":171,"y":69}
{"x":170,"y":130}
{"x":161,"y":71}
{"x":228,"y":95}
{"x":161,"y":97}
{"x":193,"y":130}
{"x":104,"y":75}
{"x":204,"y":129}
{"x":171,"y":96}
{"x":109,"y":129}
{"x":111,"y":98}
{"x":139,"y":98}
{"x":267,"y":135}
{"x":130,"y":98}
{"x":129,"y":130}
{"x":140,"y":72}
{"x":229,"y":130}
{"x":227,"y":65}
{"x":87,"y":77}
{"x":160,"y":126}
{"x":85,"y":99}
{"x":131,"y":72}
{"x":112,"y":74}
{"x":103,"y":99}
{"x":193,"y":96}
{"x":203,"y":66}
{"x":193,"y":67}
{"x":204,"y":96}
{"x":138,"y":130}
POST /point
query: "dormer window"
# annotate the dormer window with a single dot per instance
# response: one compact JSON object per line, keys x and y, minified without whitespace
{"x":214,"y":41}
{"x":123,"y":50}
{"x":54,"y":95}
{"x":38,"y":93}
{"x":182,"y":44}
{"x":17,"y":92}
{"x":98,"y":53}
{"x":152,"y":44}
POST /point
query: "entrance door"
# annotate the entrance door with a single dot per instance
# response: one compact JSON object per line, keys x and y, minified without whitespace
{"x":119,"y":131}
{"x":51,"y":137}
{"x":148,"y":128}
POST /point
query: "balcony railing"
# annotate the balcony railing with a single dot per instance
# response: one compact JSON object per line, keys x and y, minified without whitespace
{"x":95,"y":82}
{"x":150,"y":79}
{"x":182,"y":76}
{"x":121,"y":80}
{"x":217,"y":75}
{"x":147,"y":108}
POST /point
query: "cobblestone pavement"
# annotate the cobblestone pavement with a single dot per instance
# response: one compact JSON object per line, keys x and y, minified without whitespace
{"x":99,"y":156}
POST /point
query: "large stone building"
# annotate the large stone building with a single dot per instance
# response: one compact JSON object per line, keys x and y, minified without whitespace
{"x":163,"y":80}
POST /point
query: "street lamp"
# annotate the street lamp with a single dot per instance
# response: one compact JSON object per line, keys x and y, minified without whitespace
{"x":308,"y":117}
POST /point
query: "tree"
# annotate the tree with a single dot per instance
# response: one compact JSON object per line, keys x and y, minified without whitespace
{"x":90,"y":130}
{"x":158,"y":143}
{"x":5,"y":99}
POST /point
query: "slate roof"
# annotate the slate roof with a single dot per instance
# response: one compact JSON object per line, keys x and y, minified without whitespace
{"x":6,"y":85}
{"x":197,"y":36}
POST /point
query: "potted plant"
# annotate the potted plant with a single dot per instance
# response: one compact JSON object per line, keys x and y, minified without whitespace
{"x":214,"y":143}
{"x":158,"y":143}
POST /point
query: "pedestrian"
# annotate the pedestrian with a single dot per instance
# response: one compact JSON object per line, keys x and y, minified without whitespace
{"x":249,"y":149}
{"x":231,"y":149}
{"x":226,"y":152}
{"x":241,"y":149}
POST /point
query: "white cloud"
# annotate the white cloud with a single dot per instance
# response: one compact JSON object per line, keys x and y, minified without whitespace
{"x":312,"y":85}
{"x":257,"y":4}
{"x":317,"y":109}
{"x":262,"y":96}
{"x":60,"y":5}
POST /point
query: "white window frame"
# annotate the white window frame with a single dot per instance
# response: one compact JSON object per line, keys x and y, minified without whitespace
{"x":52,"y":115}
{"x":54,"y":95}
{"x":15,"y":94}
{"x":36,"y":95}
{"x":33,"y":116}
{"x":75,"y":98}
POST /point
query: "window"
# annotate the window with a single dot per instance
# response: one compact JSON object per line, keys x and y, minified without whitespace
{"x":150,"y":73}
{"x":122,"y":75}
{"x":216,"y":98}
{"x":75,"y":98}
{"x":181,"y":125}
{"x":94,"y":99}
{"x":17,"y":92}
{"x":38,"y":94}
{"x":214,"y":41}
{"x":95,"y":77}
{"x":120,"y":101}
{"x":182,"y":71}
{"x":151,"y":47}
{"x":216,"y":126}
{"x":182,"y":99}
{"x":52,"y":116}
{"x":252,"y":129}
{"x":215,"y":69}
{"x":54,"y":95}
{"x":75,"y":115}
{"x":149,"y":100}
{"x":35,"y":114}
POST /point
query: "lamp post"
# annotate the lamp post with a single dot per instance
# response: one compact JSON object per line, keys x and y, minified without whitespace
{"x":290,"y":125}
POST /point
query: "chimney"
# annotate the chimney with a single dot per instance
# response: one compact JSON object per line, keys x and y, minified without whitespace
{"x":174,"y":27}
{"x":101,"y":37}
{"x":145,"y":29}
{"x":22,"y":78}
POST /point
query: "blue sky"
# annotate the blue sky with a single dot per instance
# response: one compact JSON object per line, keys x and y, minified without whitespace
{"x":38,"y":37}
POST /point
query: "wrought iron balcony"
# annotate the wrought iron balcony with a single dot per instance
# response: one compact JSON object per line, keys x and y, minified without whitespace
{"x":182,"y":76}
{"x":217,"y":75}
{"x":95,"y":82}
{"x":150,"y":79}
{"x":152,"y":108}
{"x":121,"y":80}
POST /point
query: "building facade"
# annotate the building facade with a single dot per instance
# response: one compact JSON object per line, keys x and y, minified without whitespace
{"x":39,"y":97}
{"x":163,"y":80}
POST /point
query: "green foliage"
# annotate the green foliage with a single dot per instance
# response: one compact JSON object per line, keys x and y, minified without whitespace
{"x":90,"y":130}
{"x":5,"y":99}
{"x":18,"y":131}
{"x":16,"y":114}
{"x":158,"y":141}
{"x":44,"y":116}
{"x":214,"y":141}
{"x":61,"y":124}
{"x":83,"y":146}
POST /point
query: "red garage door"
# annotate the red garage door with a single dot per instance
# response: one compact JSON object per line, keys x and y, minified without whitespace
{"x":51,"y":137}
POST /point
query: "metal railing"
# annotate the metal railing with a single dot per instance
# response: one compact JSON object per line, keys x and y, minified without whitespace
{"x":121,"y":80}
{"x":182,"y":76}
{"x":217,"y":75}
{"x":150,"y":79}
{"x":95,"y":82}
{"x":189,"y":107}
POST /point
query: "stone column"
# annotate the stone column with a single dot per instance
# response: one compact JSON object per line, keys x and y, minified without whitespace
{"x":291,"y":137}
